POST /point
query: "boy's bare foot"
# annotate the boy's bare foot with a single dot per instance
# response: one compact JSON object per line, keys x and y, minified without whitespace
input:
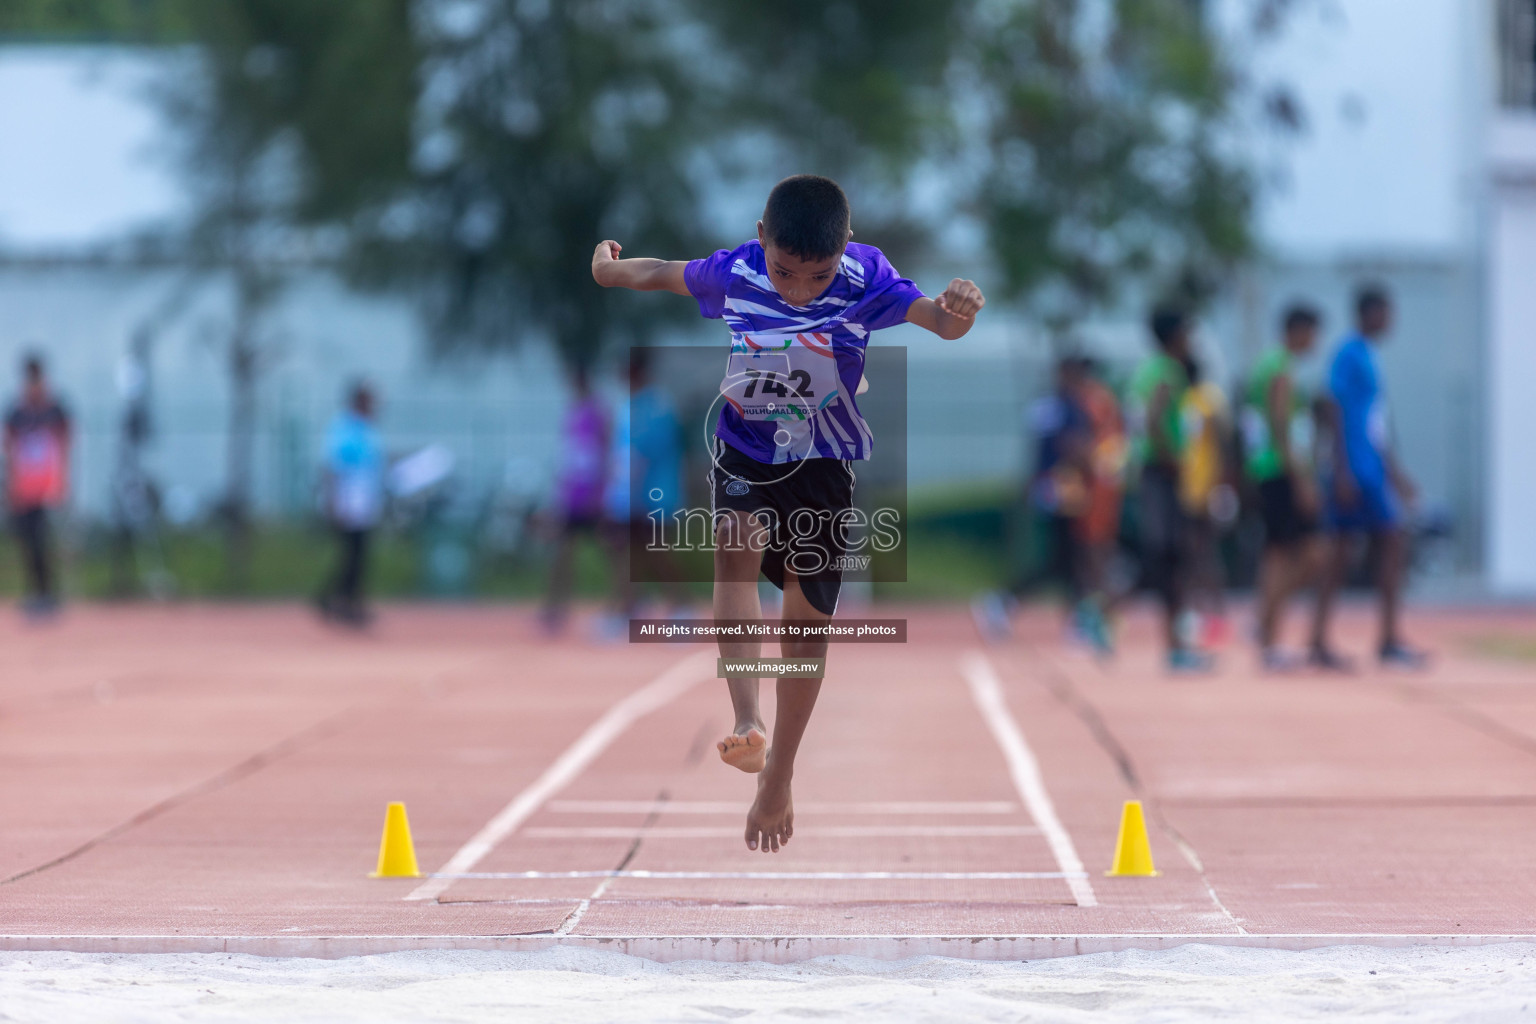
{"x":771,"y":819}
{"x":745,"y":750}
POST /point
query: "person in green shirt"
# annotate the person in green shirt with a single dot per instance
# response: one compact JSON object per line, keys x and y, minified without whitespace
{"x":1156,"y":397}
{"x":1278,"y":430}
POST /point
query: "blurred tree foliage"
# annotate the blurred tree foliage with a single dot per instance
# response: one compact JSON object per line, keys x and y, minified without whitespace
{"x":1107,"y":150}
{"x":542,"y":127}
{"x":853,"y":86}
{"x":474,"y":151}
{"x":149,"y":21}
{"x":289,"y":112}
{"x":294,"y":111}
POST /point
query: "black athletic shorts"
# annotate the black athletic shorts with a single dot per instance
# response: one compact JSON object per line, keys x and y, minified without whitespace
{"x":1284,"y":521}
{"x":800,"y":504}
{"x":1164,"y":523}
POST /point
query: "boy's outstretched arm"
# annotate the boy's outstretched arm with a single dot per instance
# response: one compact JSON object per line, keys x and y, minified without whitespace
{"x":641,"y":275}
{"x":951,"y":314}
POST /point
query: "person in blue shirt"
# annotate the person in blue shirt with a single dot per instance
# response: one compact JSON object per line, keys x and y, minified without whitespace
{"x":1368,"y":490}
{"x":644,"y":489}
{"x":1058,"y":494}
{"x":354,"y":504}
{"x":1059,"y":489}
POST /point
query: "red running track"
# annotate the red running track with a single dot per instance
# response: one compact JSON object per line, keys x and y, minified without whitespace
{"x":214,"y":778}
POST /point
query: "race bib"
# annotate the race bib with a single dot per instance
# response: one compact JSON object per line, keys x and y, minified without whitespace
{"x":359,"y":500}
{"x":38,"y":451}
{"x":1255,"y":428}
{"x":785,"y":386}
{"x":1303,"y":435}
{"x":1193,"y":421}
{"x":37,"y":470}
{"x":1378,"y":425}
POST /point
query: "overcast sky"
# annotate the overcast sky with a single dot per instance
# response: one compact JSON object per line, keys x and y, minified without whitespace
{"x":82,"y":151}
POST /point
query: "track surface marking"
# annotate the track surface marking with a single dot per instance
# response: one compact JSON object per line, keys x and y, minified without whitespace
{"x":139,"y":813}
{"x":1025,"y":772}
{"x":659,"y":692}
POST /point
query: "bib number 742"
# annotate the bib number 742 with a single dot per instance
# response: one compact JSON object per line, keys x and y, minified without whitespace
{"x":796,"y":383}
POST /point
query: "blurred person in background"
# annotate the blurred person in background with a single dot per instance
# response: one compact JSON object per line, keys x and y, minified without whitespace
{"x":644,"y":489}
{"x":1369,"y":491}
{"x":1157,"y":396}
{"x":580,"y":484}
{"x":37,"y":450}
{"x":1057,"y":498}
{"x":1099,"y":526}
{"x":1279,"y":433}
{"x":1209,"y":502}
{"x":354,"y":503}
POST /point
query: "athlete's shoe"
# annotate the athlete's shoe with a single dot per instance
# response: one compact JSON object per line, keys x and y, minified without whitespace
{"x":1280,"y":661}
{"x":344,"y":613}
{"x":610,"y":628}
{"x":1396,"y":655}
{"x":40,"y":607}
{"x":1325,"y":659}
{"x":1215,"y":631}
{"x":1189,"y":628}
{"x":990,"y":613}
{"x":1188,"y":661}
{"x":1094,"y":628}
{"x":356,"y":615}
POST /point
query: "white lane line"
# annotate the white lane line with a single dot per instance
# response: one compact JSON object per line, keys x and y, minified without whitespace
{"x":672,"y":683}
{"x":811,"y":807}
{"x":823,"y":831}
{"x":988,"y":694}
{"x":574,"y":917}
{"x":780,"y":876}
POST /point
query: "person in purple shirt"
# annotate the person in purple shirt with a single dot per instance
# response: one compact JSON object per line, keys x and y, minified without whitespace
{"x":579,"y":486}
{"x":801,"y":301}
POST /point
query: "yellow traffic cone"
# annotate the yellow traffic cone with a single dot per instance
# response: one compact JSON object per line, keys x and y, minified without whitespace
{"x":1133,"y":853}
{"x":397,"y":854}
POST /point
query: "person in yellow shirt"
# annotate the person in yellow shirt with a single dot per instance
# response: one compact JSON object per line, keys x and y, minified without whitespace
{"x":1209,"y":502}
{"x":1155,"y":400}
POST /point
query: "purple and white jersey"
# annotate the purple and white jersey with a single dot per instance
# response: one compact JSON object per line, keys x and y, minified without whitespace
{"x":793,"y":371}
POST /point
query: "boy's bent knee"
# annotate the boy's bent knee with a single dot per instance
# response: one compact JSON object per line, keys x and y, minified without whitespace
{"x":737,"y":566}
{"x":738,"y":547}
{"x":804,"y":647}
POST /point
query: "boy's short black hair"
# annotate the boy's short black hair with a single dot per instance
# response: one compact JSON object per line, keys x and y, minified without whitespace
{"x":1168,"y":322}
{"x":32,"y":366}
{"x":807,"y":216}
{"x":1371,"y":298}
{"x":1298,"y":316}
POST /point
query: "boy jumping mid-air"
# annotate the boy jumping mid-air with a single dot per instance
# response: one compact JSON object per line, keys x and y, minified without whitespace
{"x":801,"y":301}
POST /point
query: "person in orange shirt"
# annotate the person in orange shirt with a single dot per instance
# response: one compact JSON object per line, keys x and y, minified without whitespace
{"x":1074,"y":492}
{"x":37,"y":437}
{"x":1098,"y":528}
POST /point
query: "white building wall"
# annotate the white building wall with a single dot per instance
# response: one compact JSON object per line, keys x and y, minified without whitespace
{"x":1381,"y":165}
{"x":1384,"y":183}
{"x":1511,"y":299}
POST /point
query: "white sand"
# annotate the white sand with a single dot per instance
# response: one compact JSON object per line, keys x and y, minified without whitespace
{"x":1494,"y":983}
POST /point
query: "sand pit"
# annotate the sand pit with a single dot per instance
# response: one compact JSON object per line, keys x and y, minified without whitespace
{"x":1491,"y":983}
